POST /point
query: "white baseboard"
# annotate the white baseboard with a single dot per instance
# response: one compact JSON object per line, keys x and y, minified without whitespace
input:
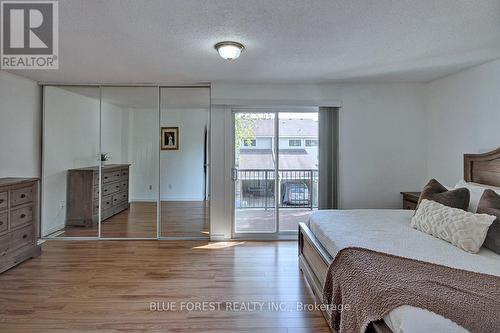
{"x":53,"y":229}
{"x":218,"y":238}
{"x":142,"y":200}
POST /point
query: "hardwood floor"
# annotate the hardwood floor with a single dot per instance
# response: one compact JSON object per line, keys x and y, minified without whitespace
{"x":185,"y":219}
{"x":178,"y":219}
{"x":107,"y":286}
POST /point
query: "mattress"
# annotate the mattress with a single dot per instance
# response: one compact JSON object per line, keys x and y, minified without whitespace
{"x":389,"y":231}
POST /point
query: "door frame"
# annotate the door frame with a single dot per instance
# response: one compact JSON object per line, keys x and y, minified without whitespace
{"x":276,"y":110}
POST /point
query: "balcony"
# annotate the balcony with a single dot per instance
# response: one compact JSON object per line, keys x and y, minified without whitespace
{"x":255,"y":198}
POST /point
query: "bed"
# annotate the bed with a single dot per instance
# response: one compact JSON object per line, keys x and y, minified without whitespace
{"x":388,"y":231}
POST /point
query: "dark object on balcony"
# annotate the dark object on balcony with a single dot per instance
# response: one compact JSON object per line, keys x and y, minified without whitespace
{"x":295,"y":194}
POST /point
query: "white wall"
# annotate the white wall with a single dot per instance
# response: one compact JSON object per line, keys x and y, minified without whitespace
{"x":142,"y":145}
{"x":20,"y":116}
{"x":115,"y":130}
{"x":381,"y":147}
{"x":463,"y":116}
{"x":129,"y":136}
{"x":182,"y":172}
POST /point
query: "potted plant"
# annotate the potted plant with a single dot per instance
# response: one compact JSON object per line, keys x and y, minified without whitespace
{"x":105,"y":157}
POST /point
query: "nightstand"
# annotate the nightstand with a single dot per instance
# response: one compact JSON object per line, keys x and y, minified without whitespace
{"x":410,"y":199}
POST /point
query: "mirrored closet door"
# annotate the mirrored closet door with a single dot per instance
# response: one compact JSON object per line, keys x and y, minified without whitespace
{"x":125,"y":162}
{"x":129,"y":162}
{"x":70,"y":172}
{"x":184,"y":162}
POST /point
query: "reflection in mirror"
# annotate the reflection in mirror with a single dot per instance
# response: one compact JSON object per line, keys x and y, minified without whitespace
{"x":184,"y":167}
{"x":70,"y":155}
{"x":129,"y":154}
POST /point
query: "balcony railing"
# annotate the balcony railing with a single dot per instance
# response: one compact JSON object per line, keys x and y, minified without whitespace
{"x":255,"y":188}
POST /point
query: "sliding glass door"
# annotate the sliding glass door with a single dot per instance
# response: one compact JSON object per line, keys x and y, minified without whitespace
{"x":298,"y":168}
{"x":275,"y":170}
{"x":254,"y":173}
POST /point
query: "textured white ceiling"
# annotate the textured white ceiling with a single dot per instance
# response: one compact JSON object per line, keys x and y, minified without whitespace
{"x":287,"y":41}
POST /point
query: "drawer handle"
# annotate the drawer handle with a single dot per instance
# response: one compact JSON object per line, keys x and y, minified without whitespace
{"x":23,"y":196}
{"x":105,"y":190}
{"x":107,"y":202}
{"x":25,"y":236}
{"x":23,"y":216}
{"x":106,"y":177}
{"x":1,"y":222}
{"x":1,"y":201}
{"x":117,"y":186}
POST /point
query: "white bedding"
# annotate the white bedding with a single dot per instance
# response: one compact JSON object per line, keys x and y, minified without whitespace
{"x":389,"y":231}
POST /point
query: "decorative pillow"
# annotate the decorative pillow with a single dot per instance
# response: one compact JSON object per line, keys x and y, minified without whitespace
{"x":458,"y":198}
{"x":490,"y":204}
{"x":465,"y":230}
{"x":476,"y":191}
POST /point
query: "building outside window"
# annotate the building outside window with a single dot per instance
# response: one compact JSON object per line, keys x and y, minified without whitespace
{"x":311,"y":143}
{"x":250,"y":143}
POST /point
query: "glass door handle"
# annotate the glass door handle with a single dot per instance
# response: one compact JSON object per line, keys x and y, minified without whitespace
{"x":234,"y":174}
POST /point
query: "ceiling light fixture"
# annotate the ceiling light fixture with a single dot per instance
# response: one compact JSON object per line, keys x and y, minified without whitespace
{"x":229,"y":50}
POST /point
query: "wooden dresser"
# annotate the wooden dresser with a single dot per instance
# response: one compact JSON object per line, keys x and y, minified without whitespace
{"x":83,"y":194}
{"x":18,"y":221}
{"x":410,"y":200}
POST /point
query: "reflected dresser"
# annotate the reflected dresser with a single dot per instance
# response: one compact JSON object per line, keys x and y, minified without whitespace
{"x":83,"y":194}
{"x":18,"y":221}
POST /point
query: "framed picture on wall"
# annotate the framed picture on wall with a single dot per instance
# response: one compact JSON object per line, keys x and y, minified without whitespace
{"x":170,"y":138}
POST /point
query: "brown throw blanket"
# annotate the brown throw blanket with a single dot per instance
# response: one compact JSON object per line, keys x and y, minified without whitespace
{"x":370,"y":284}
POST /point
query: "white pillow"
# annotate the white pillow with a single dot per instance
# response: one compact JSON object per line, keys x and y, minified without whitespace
{"x":465,"y":230}
{"x":476,"y":191}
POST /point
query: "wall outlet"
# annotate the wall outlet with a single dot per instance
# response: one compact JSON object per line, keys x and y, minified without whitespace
{"x":63,"y":203}
{"x":169,"y":186}
{"x":150,"y":187}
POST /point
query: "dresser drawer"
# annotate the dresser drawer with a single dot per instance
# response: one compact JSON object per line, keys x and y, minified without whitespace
{"x":21,"y":216}
{"x":16,"y":240}
{"x":5,"y":244}
{"x":107,"y":202}
{"x":125,"y":173}
{"x":111,"y":188}
{"x":4,"y":225}
{"x":111,"y":176}
{"x":124,"y":185}
{"x":4,"y":200}
{"x":21,"y":196}
{"x":119,"y":198}
{"x":407,"y":204}
{"x":21,"y":238}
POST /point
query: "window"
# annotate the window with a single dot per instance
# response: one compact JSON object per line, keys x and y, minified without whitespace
{"x":250,"y":143}
{"x":311,"y":143}
{"x":294,"y":143}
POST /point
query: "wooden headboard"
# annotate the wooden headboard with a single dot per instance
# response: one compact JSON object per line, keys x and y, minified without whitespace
{"x":483,"y":168}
